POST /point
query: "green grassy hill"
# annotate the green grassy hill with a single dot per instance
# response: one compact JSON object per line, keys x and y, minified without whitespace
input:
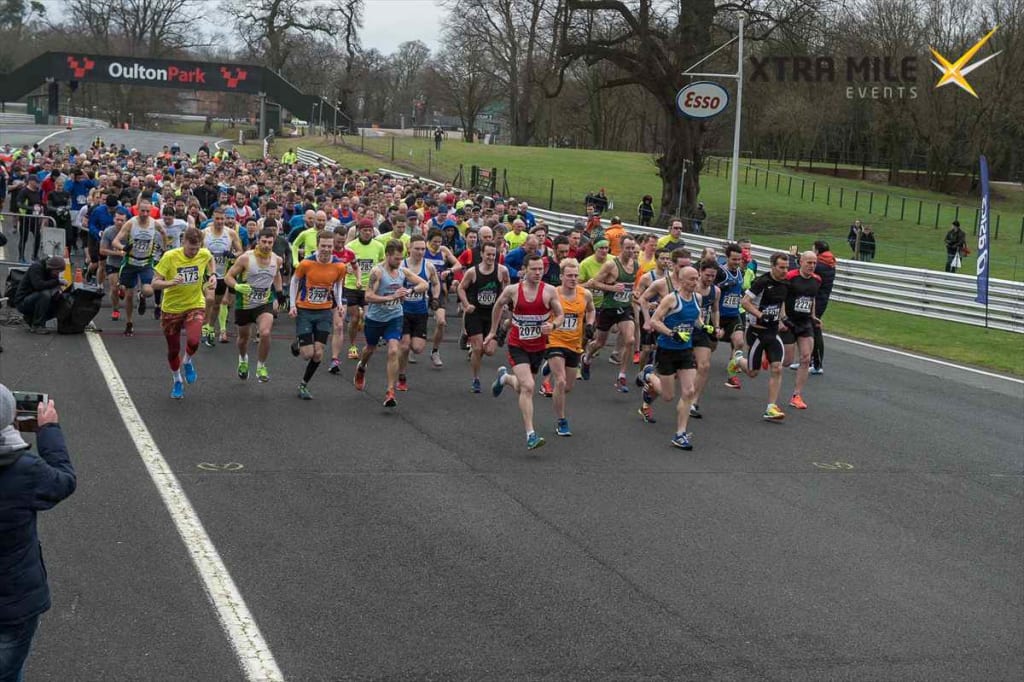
{"x":769,"y":212}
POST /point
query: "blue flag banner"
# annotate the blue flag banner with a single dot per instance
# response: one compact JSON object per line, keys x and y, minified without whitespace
{"x":983,"y":236}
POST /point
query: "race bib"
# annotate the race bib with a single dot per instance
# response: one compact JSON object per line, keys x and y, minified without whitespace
{"x":770,"y":313}
{"x":365,"y":265}
{"x":414,"y":296}
{"x":141,"y":248}
{"x":570,"y":322}
{"x":731,"y":301}
{"x":81,"y":200}
{"x":486,"y":297}
{"x":259,"y":295}
{"x":317,"y":295}
{"x":684,"y":327}
{"x":190,"y":274}
{"x":623,"y":296}
{"x":220,"y":258}
{"x":803,"y":304}
{"x":530,"y":331}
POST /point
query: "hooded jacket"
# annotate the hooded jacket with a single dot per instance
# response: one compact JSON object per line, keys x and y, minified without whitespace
{"x":29,"y":483}
{"x":826,"y":270}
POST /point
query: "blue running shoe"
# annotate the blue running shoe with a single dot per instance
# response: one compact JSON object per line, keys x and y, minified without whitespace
{"x":178,"y":391}
{"x":585,"y":369}
{"x":497,"y":387}
{"x":476,"y":385}
{"x":533,"y":441}
{"x":562,"y":428}
{"x":682,"y":441}
{"x":544,"y":369}
{"x":190,"y":373}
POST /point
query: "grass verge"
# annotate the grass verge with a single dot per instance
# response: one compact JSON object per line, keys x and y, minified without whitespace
{"x":987,"y":348}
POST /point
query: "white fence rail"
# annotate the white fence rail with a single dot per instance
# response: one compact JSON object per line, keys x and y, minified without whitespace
{"x":17,"y":119}
{"x":311,"y":158}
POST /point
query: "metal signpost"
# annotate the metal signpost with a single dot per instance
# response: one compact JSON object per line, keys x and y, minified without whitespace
{"x":738,"y":76}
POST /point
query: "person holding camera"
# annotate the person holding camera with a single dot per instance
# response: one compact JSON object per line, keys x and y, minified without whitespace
{"x":29,"y":483}
{"x":39,"y":292}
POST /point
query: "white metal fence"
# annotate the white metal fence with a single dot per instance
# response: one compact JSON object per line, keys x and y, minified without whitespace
{"x":311,"y":158}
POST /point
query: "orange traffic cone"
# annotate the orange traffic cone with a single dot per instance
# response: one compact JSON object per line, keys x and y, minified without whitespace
{"x":79,"y":279}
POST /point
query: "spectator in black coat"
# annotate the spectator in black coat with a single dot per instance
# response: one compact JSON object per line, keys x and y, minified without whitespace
{"x":39,"y":293}
{"x":826,"y":270}
{"x":29,"y":484}
{"x":645,"y":211}
{"x":867,"y":244}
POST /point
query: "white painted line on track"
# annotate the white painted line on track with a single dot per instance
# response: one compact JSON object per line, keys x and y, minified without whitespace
{"x":251,"y":649}
{"x":925,"y":358}
{"x":57,"y":132}
{"x":216,"y":144}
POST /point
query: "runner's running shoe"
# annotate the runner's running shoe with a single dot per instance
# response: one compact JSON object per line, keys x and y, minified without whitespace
{"x":335,"y":367}
{"x":498,"y":386}
{"x":682,"y":441}
{"x":401,"y":384}
{"x":562,"y":428}
{"x":360,"y":378}
{"x":353,"y":353}
{"x":389,"y":399}
{"x":476,"y":385}
{"x":190,"y":372}
{"x":773,"y":414}
{"x":262,"y":375}
{"x":533,"y":441}
{"x":178,"y":391}
{"x":797,"y":402}
{"x":243,"y":370}
{"x":695,"y":411}
{"x":304,"y":393}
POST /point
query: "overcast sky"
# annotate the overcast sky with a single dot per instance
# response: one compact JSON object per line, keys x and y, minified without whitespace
{"x":386,"y":23}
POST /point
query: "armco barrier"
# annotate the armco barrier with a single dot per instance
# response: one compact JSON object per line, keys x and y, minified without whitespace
{"x":311,"y":158}
{"x":927,"y":293}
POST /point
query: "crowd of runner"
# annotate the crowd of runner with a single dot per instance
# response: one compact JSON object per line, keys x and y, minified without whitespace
{"x":364,"y":262}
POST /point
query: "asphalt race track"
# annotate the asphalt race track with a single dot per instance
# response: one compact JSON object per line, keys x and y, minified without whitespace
{"x":876,"y":536}
{"x":146,"y":141}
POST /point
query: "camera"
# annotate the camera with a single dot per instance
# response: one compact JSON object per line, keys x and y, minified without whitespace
{"x":26,"y":406}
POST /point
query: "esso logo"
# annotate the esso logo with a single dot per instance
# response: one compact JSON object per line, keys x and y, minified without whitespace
{"x":703,"y":99}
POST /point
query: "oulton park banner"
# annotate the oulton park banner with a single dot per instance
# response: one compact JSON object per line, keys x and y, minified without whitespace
{"x":161,"y":73}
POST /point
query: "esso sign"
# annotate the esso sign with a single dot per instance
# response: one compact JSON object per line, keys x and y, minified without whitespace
{"x":703,"y":99}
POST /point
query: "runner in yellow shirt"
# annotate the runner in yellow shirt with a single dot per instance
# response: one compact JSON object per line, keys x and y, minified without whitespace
{"x":183,"y":274}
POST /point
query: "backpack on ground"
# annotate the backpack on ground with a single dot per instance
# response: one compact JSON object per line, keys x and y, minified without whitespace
{"x":77,"y":309}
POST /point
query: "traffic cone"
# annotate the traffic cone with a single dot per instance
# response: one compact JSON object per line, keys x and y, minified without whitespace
{"x":79,"y":279}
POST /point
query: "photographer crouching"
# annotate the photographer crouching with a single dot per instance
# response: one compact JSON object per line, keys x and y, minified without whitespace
{"x":39,"y":292}
{"x":29,"y":483}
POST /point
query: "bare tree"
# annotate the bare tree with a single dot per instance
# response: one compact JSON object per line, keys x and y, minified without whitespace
{"x":349,"y":17}
{"x":463,"y":71}
{"x":522,"y":36}
{"x":650,"y":44}
{"x":273,"y":25}
{"x":144,"y":28}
